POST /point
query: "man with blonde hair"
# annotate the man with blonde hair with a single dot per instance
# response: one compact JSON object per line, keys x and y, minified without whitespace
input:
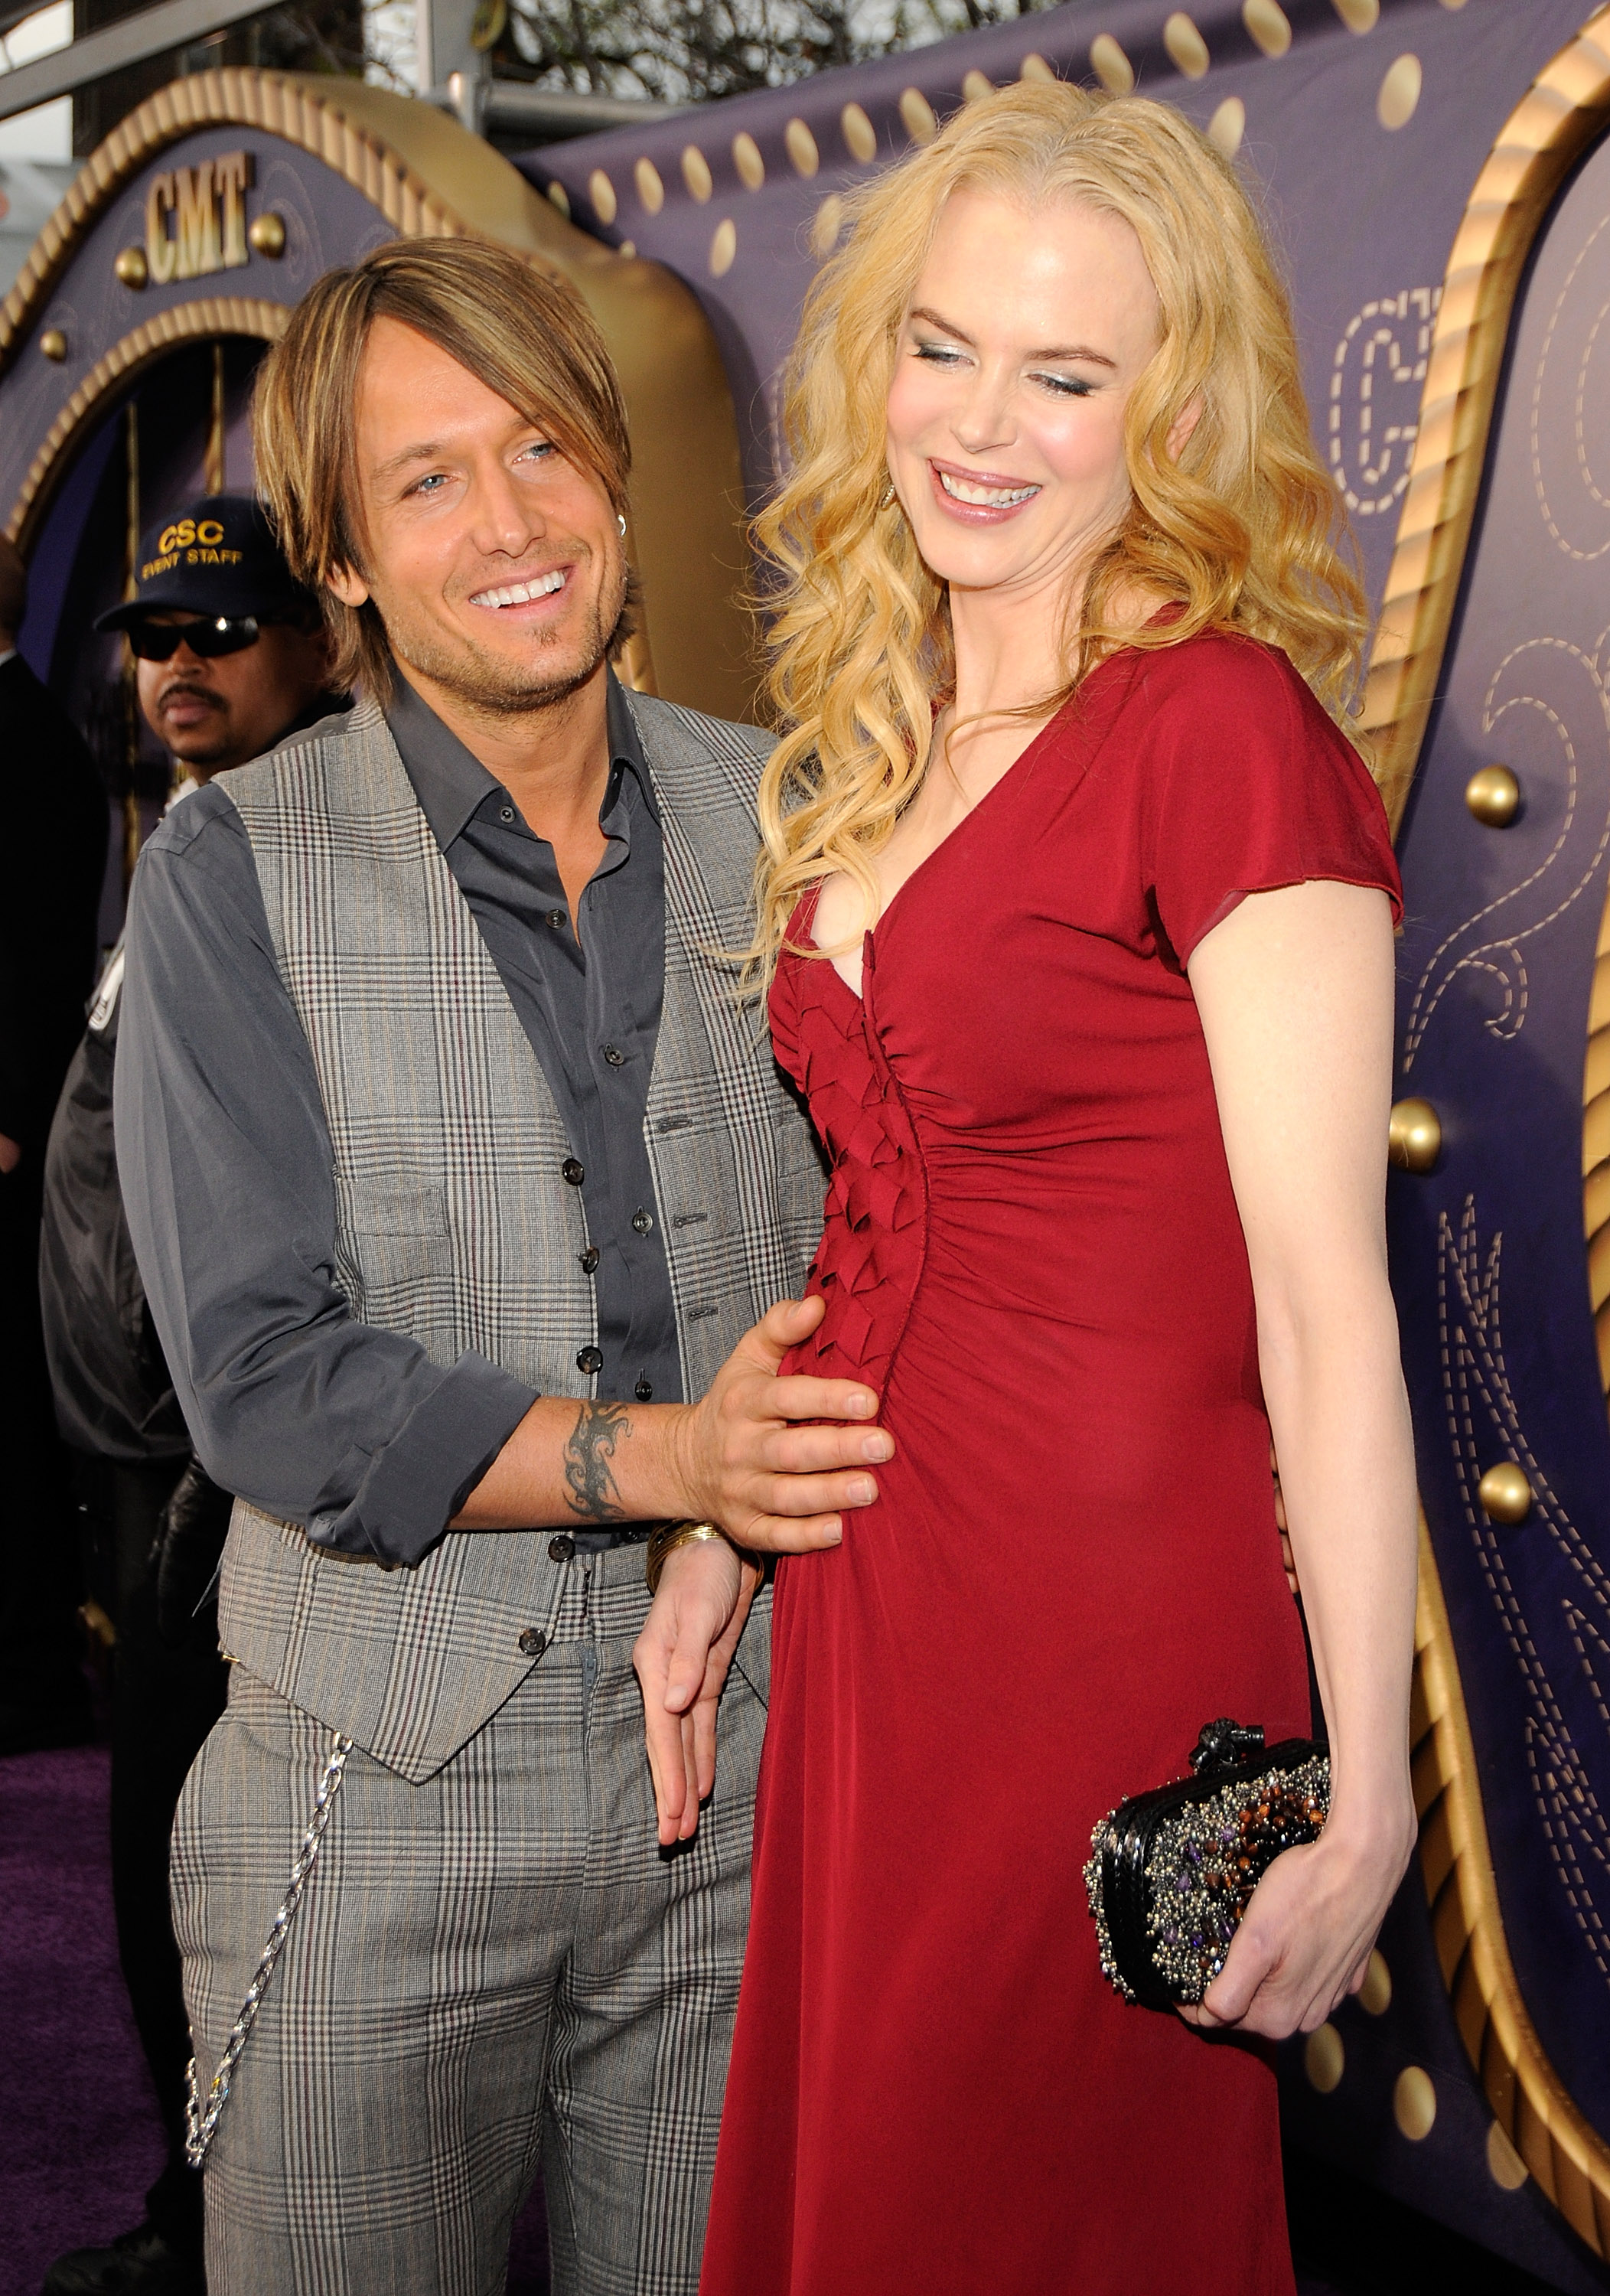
{"x":457,"y":1179}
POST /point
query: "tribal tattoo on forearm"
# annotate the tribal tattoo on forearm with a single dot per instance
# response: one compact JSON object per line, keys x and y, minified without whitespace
{"x":589,"y":1479}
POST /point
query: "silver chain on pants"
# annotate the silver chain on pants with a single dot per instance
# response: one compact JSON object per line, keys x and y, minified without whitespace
{"x":201,"y":2126}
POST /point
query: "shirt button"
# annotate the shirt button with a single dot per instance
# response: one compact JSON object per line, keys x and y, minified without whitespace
{"x":614,"y":1055}
{"x":588,"y":1258}
{"x":572,"y":1171}
{"x":505,"y":813}
{"x":533,"y":1643}
{"x":561,"y":1549}
{"x":590,"y":1359}
{"x":642,"y":1221}
{"x":559,"y":918}
{"x":643,"y":1391}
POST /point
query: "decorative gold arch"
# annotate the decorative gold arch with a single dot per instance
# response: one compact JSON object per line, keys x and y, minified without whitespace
{"x":219,"y":314}
{"x":430,"y":177}
{"x":1562,"y":115}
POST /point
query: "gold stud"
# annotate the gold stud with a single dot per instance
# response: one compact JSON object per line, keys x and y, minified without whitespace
{"x":627,"y":248}
{"x":1358,"y":15}
{"x":745,"y":157}
{"x":560,"y":198}
{"x":723,"y":247}
{"x":1493,"y":796}
{"x":917,"y":116}
{"x":1414,"y":1136}
{"x":1187,"y":49}
{"x":860,"y":136}
{"x":696,"y":173}
{"x":53,"y":343}
{"x":1394,"y":107}
{"x":801,"y":148}
{"x":266,"y":233}
{"x":1505,"y":1494}
{"x":1110,"y":65}
{"x":1414,"y":2102}
{"x":1505,"y":2165}
{"x":974,"y":87}
{"x":1269,"y":25}
{"x":651,"y":191}
{"x":1034,"y":67}
{"x":1227,"y":126}
{"x":1375,"y":1995}
{"x":601,"y":191}
{"x":1324,"y":2059}
{"x":131,"y":268}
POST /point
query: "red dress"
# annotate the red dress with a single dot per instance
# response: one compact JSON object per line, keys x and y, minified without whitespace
{"x":1032,"y":1247}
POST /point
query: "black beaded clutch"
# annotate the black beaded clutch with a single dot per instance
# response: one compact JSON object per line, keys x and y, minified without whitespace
{"x":1171,"y":1871}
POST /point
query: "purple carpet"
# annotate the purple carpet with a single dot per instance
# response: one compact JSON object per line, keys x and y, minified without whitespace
{"x":81,"y":2140}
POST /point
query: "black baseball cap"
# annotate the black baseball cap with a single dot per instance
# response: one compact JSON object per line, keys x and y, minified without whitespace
{"x":218,"y":557}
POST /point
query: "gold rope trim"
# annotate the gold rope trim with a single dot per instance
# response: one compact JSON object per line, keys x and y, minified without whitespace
{"x":1569,"y":2160}
{"x":1596,"y":1148}
{"x":220,"y":315}
{"x":1561,"y":113}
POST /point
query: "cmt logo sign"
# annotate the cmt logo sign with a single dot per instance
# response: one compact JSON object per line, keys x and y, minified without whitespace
{"x":195,"y":219}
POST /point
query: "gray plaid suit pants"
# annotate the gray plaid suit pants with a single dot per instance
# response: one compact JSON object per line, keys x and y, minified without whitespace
{"x":495,"y":1969}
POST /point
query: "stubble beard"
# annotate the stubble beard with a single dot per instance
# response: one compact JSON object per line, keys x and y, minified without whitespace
{"x":490,"y":685}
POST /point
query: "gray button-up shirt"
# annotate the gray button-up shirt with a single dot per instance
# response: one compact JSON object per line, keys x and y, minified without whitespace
{"x":227,"y":1168}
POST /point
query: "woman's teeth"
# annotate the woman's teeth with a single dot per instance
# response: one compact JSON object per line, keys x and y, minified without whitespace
{"x":518,"y":593}
{"x":984,"y":497}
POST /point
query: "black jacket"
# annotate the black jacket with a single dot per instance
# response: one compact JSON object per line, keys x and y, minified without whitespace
{"x":54,"y":824}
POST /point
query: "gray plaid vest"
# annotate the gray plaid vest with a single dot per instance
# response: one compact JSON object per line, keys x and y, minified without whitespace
{"x":454,"y":1222}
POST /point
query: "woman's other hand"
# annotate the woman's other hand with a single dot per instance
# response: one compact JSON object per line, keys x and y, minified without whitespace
{"x":682,"y":1658}
{"x":1306,"y":1940}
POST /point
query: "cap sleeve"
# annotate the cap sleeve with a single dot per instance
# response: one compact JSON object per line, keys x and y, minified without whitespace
{"x":1252,"y":787}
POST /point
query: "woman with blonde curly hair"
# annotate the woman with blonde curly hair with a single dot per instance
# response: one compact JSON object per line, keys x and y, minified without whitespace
{"x":1077,"y":910}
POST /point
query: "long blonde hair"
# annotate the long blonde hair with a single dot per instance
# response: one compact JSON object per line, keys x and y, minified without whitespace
{"x":1242,"y":530}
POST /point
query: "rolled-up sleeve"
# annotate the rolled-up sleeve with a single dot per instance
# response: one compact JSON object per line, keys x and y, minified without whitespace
{"x":227,"y":1174}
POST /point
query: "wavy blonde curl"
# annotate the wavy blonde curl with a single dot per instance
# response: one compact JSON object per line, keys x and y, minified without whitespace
{"x":1244,"y":530}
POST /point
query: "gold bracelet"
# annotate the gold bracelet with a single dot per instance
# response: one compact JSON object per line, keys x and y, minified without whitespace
{"x":672,"y":1535}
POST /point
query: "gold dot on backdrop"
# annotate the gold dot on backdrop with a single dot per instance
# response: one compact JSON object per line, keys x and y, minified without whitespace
{"x":560,"y":198}
{"x":131,"y":267}
{"x":1187,"y":49}
{"x":627,"y":248}
{"x":1227,"y":126}
{"x":1110,"y":65}
{"x":1414,"y":1136}
{"x":917,"y":116}
{"x":52,"y":343}
{"x":745,"y":157}
{"x":1375,"y":1995}
{"x":974,"y":87}
{"x":1414,"y":2102}
{"x":1034,"y":67}
{"x":860,"y":136}
{"x":601,"y":191}
{"x":696,"y":173}
{"x":1505,"y":1494}
{"x":651,"y":191}
{"x":1358,"y":15}
{"x":829,"y":224}
{"x":266,"y":233}
{"x":1269,"y":25}
{"x":723,"y":247}
{"x":1505,"y":2165}
{"x":1324,"y":2059}
{"x":1493,"y":796}
{"x":1394,"y":107}
{"x":801,"y":147}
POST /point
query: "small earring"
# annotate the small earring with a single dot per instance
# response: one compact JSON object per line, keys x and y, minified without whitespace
{"x":622,"y":524}
{"x":886,"y":498}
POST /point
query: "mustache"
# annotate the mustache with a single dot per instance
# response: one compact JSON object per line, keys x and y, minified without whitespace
{"x":193,"y":689}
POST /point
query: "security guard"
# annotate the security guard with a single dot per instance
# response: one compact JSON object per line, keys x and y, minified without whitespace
{"x":231,"y":658}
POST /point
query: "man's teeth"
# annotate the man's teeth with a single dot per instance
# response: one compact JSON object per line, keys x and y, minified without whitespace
{"x":985,"y":497}
{"x":517,"y":594}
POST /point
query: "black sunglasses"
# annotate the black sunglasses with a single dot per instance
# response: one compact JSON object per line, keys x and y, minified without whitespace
{"x":159,"y":641}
